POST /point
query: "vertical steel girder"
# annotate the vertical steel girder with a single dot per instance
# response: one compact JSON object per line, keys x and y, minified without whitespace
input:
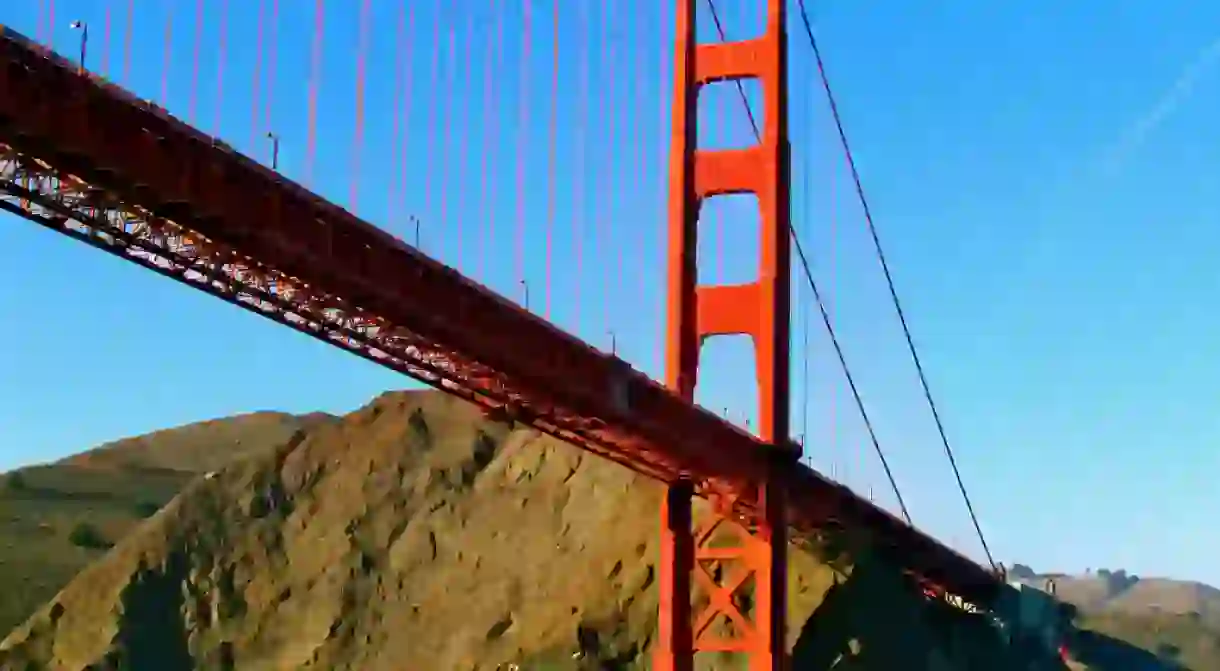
{"x":759,"y":309}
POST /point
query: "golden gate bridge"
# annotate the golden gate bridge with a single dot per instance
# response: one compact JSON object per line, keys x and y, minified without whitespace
{"x":83,"y":156}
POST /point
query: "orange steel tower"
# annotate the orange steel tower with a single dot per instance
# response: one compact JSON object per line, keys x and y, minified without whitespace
{"x":759,"y":309}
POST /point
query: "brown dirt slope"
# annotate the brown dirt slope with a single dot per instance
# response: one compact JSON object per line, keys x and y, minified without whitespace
{"x":108,"y":491}
{"x":415,"y":534}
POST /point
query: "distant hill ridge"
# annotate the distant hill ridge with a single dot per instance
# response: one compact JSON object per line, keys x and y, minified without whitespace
{"x":1117,"y":590}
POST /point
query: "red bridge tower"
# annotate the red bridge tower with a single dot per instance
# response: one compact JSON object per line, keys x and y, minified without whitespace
{"x":759,"y":309}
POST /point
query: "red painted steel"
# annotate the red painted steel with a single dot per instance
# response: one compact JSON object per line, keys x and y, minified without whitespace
{"x":89,"y":160}
{"x":755,"y":557}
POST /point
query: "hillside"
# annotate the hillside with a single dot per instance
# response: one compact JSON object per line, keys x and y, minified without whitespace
{"x":416,"y":534}
{"x":56,"y":518}
{"x":1118,"y":592}
{"x":1174,"y":619}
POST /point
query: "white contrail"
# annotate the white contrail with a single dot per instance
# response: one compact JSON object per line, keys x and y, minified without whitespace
{"x":1167,"y":104}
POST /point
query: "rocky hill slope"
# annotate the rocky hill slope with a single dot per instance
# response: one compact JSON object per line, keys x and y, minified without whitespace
{"x":56,"y":518}
{"x":416,"y":534}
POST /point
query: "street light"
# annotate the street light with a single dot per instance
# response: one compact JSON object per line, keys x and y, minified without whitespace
{"x":525,"y":287}
{"x":415,"y":220}
{"x":275,"y":150}
{"x":84,"y":39}
{"x":613,"y":344}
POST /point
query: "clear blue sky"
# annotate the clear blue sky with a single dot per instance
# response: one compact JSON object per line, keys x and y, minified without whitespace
{"x":1042,"y":175}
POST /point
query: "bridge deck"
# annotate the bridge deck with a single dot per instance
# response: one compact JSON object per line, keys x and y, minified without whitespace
{"x":86,"y":158}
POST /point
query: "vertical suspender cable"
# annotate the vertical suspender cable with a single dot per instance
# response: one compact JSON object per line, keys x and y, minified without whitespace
{"x":395,"y":198}
{"x":487,"y":140}
{"x":498,"y":138}
{"x":221,"y":57}
{"x":448,"y":97}
{"x":642,"y":150}
{"x":522,"y":145}
{"x":619,"y":81}
{"x":197,"y":43}
{"x":430,"y":133}
{"x":551,"y":149}
{"x":663,"y":133}
{"x":603,"y":212}
{"x":315,"y":84}
{"x":165,"y":54}
{"x":579,"y":189}
{"x":465,"y":72}
{"x":127,"y":42}
{"x":362,"y":47}
{"x":273,"y":43}
{"x":408,"y":103}
{"x":106,"y":45}
{"x":486,"y":105}
{"x":257,"y":81}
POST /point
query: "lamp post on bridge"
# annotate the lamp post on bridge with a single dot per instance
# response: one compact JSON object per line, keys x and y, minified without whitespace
{"x":525,"y":290}
{"x":83,"y":27}
{"x":275,"y":150}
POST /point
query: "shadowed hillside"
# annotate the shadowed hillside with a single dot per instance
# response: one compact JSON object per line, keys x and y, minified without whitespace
{"x":416,"y":534}
{"x":55,"y":519}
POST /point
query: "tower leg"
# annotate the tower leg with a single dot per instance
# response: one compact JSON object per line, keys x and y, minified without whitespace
{"x":675,"y":645}
{"x":739,"y":565}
